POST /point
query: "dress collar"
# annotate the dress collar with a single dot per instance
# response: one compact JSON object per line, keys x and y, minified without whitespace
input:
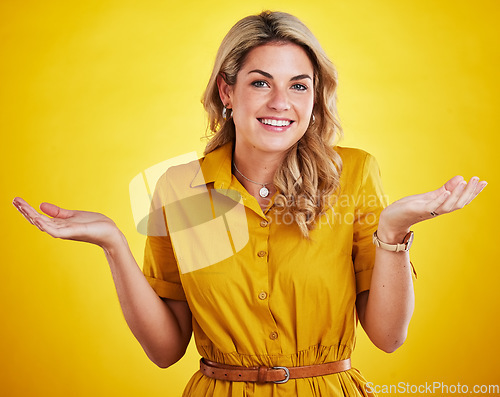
{"x":216,"y":167}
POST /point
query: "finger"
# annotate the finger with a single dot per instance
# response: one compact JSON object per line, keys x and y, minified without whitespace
{"x":54,"y":222}
{"x":479,"y":188}
{"x":449,"y":186}
{"x":23,"y":213}
{"x":46,"y":225}
{"x":26,"y":216}
{"x":436,"y":194}
{"x":453,"y":182}
{"x":437,"y":202}
{"x":42,"y":224}
{"x":25,"y":209}
{"x":468,"y":193}
{"x":449,"y":204}
{"x":55,"y":211}
{"x":20,"y":204}
{"x":36,"y":222}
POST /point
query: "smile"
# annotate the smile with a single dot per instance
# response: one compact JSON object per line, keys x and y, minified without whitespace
{"x":276,"y":123}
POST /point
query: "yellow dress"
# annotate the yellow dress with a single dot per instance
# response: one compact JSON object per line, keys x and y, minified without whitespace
{"x":259,"y":293}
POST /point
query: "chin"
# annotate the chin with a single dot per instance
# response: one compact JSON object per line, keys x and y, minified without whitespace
{"x":272,"y":147}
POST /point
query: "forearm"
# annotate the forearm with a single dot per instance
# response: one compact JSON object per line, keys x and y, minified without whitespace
{"x":385,"y":311}
{"x":391,"y":299}
{"x":150,"y":319}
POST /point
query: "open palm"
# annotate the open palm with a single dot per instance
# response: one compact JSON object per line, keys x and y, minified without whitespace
{"x":453,"y":195}
{"x":91,"y":227}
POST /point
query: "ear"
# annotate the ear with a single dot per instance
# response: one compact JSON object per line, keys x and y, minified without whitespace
{"x":225,"y":91}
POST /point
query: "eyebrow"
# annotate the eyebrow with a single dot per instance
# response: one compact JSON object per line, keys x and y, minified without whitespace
{"x":265,"y":74}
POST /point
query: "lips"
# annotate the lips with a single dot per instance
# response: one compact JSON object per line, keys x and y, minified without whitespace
{"x":276,"y":122}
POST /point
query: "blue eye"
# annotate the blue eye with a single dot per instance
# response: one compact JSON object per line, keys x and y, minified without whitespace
{"x":299,"y":87}
{"x":260,"y":83}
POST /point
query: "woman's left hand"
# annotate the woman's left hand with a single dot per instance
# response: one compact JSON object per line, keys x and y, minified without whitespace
{"x":397,"y":218}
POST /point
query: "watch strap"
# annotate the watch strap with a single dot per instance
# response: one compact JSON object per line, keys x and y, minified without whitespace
{"x":404,"y":246}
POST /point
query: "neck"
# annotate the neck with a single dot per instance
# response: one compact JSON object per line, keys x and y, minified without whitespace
{"x":259,"y":168}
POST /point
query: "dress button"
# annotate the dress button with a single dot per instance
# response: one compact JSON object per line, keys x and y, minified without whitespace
{"x":262,"y":295}
{"x":261,"y":253}
{"x":273,"y":335}
{"x":264,"y":223}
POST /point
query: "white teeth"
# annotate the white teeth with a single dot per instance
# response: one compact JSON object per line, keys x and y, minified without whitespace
{"x":276,"y":123}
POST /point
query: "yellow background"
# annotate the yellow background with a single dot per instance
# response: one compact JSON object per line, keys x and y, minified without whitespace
{"x":94,"y":92}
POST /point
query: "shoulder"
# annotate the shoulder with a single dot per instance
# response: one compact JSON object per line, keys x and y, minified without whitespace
{"x":177,"y":177}
{"x":185,"y":171}
{"x":356,"y":160}
{"x":352,"y":155}
{"x":357,"y":166}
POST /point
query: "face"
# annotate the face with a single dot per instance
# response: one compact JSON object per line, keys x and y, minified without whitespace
{"x":272,"y":99}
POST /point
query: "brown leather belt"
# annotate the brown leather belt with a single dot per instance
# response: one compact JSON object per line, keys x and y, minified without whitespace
{"x":234,"y":373}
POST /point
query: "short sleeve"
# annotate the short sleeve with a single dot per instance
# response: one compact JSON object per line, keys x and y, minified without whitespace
{"x":160,"y":268}
{"x":160,"y":264}
{"x":370,"y":203}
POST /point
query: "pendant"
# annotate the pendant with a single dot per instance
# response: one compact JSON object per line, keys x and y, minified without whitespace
{"x":264,"y":192}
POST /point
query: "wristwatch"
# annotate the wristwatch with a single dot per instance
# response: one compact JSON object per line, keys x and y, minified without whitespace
{"x":404,"y":246}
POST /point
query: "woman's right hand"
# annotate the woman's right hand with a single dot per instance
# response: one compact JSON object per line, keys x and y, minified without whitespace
{"x":163,"y":328}
{"x":90,"y":227}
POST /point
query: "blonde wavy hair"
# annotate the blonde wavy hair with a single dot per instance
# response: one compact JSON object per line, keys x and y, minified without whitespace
{"x":310,"y":172}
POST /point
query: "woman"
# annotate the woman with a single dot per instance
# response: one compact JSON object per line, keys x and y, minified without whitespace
{"x":312,"y":248}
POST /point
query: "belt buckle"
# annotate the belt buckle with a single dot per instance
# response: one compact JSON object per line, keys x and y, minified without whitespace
{"x":287,"y":375}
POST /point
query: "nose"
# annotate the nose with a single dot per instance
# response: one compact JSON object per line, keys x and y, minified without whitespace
{"x":279,"y":100}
